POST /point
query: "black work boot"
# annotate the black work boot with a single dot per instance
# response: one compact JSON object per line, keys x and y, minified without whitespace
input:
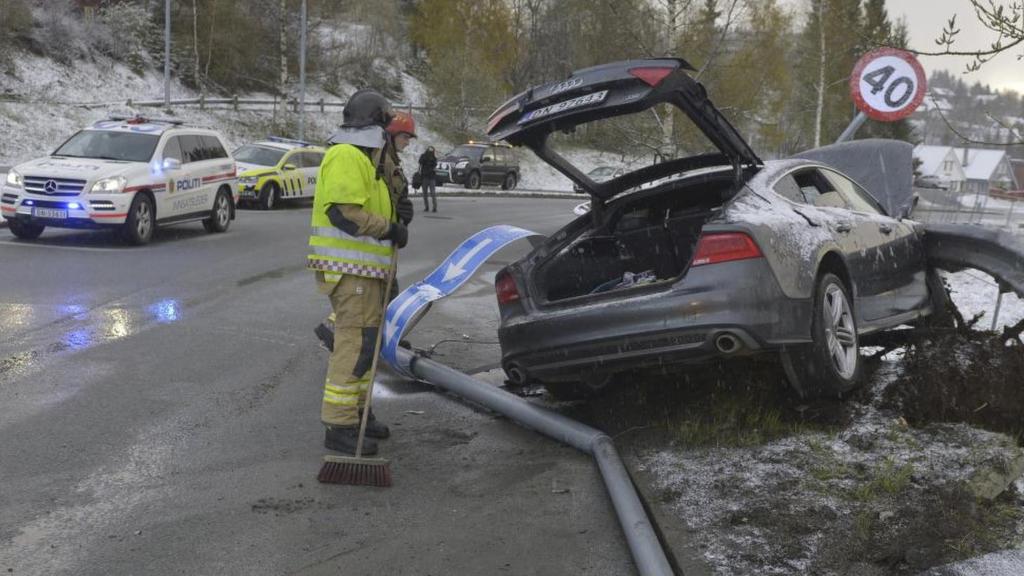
{"x":344,"y":438}
{"x":376,"y":429}
{"x":325,"y":333}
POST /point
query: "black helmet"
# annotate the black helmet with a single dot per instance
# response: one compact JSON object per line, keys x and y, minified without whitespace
{"x":364,"y":108}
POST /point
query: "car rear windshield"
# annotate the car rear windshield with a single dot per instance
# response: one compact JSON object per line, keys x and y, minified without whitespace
{"x":473,"y":152}
{"x":110,"y":145}
{"x":260,"y":155}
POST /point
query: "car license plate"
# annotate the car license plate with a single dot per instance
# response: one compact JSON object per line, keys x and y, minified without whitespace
{"x":50,"y":213}
{"x":563,"y":106}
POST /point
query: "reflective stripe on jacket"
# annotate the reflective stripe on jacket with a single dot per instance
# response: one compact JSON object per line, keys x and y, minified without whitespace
{"x":347,"y":176}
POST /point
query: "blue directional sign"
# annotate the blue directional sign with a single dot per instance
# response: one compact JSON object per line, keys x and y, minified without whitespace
{"x":405,"y":310}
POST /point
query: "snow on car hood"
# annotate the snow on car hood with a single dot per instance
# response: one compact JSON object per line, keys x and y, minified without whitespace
{"x":76,"y":168}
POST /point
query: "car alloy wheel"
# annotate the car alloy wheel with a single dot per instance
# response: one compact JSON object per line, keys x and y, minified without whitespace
{"x":143,"y":220}
{"x":510,"y":181}
{"x":268,"y":196}
{"x":840,"y":331}
{"x":223,"y":211}
{"x":138,"y":227}
{"x":473,"y":181}
{"x":220,"y":216}
{"x":830,"y":364}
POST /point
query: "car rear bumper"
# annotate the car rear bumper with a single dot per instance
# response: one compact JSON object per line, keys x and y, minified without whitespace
{"x":737,"y":302}
{"x":450,"y":177}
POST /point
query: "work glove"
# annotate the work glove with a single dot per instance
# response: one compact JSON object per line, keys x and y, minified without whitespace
{"x":404,"y":209}
{"x":398,"y":234}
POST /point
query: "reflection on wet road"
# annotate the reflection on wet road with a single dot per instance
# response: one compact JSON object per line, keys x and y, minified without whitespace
{"x":78,"y":327}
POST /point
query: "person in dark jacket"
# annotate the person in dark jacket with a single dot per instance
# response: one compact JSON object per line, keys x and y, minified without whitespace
{"x":428,"y":163}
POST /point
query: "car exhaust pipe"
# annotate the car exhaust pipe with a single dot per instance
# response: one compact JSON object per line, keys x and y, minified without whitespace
{"x":727,"y":343}
{"x":516,"y":375}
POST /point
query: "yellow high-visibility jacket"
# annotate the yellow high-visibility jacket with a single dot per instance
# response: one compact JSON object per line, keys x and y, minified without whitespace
{"x":347,"y":176}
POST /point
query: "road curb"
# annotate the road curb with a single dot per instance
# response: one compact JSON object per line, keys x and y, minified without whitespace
{"x":506,"y":194}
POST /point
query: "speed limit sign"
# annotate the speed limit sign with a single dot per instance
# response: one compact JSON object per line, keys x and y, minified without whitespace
{"x":888,"y":84}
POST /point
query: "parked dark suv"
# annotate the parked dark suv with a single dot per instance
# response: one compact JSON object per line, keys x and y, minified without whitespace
{"x":474,"y":164}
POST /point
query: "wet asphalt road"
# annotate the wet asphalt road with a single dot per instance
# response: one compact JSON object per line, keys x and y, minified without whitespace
{"x":159,"y":414}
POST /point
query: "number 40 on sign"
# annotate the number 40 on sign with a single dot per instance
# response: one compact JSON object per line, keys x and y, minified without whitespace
{"x":888,"y":84}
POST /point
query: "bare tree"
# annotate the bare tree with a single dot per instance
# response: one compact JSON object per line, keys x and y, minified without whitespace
{"x":1006,"y":20}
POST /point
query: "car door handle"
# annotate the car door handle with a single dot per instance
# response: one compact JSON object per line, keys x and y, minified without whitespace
{"x":843,"y":227}
{"x":885,"y":228}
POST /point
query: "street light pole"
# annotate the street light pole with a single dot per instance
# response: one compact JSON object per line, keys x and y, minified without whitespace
{"x":167,"y":54}
{"x":302,"y":75}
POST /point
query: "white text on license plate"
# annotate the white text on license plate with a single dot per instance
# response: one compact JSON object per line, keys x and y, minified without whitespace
{"x":563,"y":106}
{"x":50,"y":213}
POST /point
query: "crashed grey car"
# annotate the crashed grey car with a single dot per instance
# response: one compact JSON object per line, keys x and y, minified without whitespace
{"x":723,"y":255}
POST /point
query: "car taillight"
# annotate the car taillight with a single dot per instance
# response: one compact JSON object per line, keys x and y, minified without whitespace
{"x":505,"y":286}
{"x":724,"y":247}
{"x":651,"y":75}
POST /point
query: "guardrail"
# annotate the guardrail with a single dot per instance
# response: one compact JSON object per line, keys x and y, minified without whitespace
{"x":233,"y":103}
{"x":991,"y":211}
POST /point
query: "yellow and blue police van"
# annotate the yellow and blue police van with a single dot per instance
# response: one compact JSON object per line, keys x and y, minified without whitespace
{"x":276,"y":169}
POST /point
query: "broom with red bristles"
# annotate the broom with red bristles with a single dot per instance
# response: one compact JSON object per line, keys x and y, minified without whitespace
{"x":356,"y":470}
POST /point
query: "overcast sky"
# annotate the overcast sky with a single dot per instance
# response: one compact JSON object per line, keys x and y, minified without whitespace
{"x":926,"y":18}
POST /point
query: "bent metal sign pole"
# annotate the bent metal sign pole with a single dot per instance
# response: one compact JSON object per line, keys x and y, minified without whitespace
{"x":886,"y":85}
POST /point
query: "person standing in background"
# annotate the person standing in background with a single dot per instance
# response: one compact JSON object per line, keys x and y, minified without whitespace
{"x":428,"y":163}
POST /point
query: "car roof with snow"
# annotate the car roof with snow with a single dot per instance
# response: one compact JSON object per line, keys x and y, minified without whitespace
{"x":138,"y":124}
{"x":283,"y":143}
{"x":616,"y":89}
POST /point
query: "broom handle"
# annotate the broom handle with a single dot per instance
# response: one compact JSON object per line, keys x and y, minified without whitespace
{"x":376,"y":352}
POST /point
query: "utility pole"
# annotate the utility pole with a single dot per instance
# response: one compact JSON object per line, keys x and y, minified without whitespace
{"x":302,"y":75}
{"x":167,"y":54}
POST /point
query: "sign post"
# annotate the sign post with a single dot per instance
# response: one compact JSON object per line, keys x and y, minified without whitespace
{"x":886,"y":85}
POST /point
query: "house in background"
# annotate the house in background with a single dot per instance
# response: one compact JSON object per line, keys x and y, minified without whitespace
{"x":941,"y":163}
{"x":986,"y":170}
{"x":1018,"y":172}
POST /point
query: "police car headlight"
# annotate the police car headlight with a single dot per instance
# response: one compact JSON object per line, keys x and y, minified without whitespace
{"x":247,"y":180}
{"x":109,"y":185}
{"x":14,"y":179}
{"x":462,"y":164}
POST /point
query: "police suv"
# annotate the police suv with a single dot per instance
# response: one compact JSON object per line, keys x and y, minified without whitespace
{"x":129,"y":174}
{"x":277,"y":169}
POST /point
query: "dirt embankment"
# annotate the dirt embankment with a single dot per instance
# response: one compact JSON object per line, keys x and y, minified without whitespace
{"x":914,"y":470}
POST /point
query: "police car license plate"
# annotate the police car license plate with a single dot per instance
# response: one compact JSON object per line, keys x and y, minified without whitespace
{"x":50,"y":213}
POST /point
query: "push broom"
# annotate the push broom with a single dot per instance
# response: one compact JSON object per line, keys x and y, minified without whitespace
{"x":356,"y":470}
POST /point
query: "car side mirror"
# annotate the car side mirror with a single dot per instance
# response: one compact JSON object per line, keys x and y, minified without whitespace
{"x":289,"y":167}
{"x":170,"y":164}
{"x":485,"y":159}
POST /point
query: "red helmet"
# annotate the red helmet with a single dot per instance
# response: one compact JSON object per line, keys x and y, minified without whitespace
{"x":402,"y":122}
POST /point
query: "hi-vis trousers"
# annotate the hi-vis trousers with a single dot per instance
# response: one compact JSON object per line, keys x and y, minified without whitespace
{"x":357,"y":303}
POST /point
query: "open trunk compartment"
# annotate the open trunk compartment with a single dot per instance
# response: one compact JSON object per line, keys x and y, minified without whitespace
{"x":638,"y":242}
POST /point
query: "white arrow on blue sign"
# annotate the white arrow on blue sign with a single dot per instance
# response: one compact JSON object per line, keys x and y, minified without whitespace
{"x":405,"y":310}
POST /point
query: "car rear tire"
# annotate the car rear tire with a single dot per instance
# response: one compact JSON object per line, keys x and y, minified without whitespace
{"x":830,"y":365}
{"x":138,"y":227}
{"x":510,"y":181}
{"x":269,"y":196}
{"x":25,"y":230}
{"x":473,"y":180}
{"x":220,"y":216}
